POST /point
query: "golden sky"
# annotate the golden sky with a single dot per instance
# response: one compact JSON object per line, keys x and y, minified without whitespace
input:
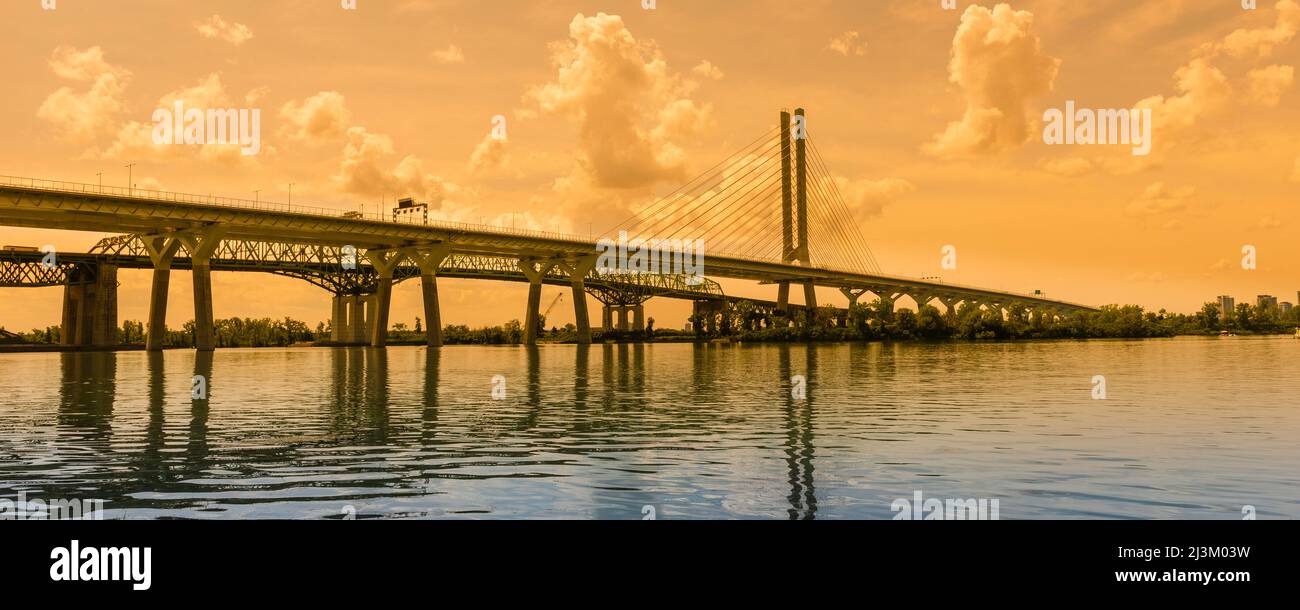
{"x":931,"y":119}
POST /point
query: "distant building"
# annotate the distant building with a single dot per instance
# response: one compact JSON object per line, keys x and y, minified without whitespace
{"x":1286,"y":306}
{"x":410,"y":212}
{"x":1227,"y":305}
{"x":1266,"y":301}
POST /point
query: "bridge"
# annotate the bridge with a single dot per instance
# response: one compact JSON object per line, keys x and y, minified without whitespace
{"x":759,"y":211}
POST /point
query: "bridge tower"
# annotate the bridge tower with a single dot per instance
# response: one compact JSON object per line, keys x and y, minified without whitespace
{"x":794,"y":207}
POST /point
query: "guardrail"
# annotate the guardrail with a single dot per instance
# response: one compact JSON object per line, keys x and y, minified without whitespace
{"x":59,"y":186}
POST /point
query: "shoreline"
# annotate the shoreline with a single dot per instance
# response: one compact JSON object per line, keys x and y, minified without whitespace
{"x":41,"y":348}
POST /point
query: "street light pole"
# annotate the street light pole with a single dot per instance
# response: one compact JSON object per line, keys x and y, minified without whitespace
{"x":257,"y":195}
{"x":130,"y":178}
{"x":291,"y":193}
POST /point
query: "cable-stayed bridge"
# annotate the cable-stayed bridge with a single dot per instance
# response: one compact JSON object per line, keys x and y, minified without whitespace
{"x":770,"y":213}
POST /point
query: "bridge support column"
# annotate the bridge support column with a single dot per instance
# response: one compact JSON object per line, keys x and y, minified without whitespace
{"x":429,"y":259}
{"x":810,"y":303}
{"x":887,"y":300}
{"x":638,"y":318}
{"x":606,"y":318}
{"x":339,"y":319}
{"x":201,"y":246}
{"x":103,"y":324}
{"x":853,"y":294}
{"x":90,"y":309}
{"x":951,"y":304}
{"x":783,"y":298}
{"x":534,"y":270}
{"x":357,"y":318}
{"x":162,"y":249}
{"x":622,"y":318}
{"x":384,"y":262}
{"x":578,"y":269}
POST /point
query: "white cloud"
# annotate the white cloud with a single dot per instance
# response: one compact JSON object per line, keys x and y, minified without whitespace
{"x":867,"y":198}
{"x":706,"y":69}
{"x":84,"y":114}
{"x":450,"y":55}
{"x":1260,"y":42}
{"x":216,"y":28}
{"x":998,"y":63}
{"x":1157,"y":199}
{"x":628,"y":105}
{"x":847,"y":44}
{"x":321,"y":117}
{"x":1266,"y":85}
{"x":490,"y":154}
{"x":365,"y":171}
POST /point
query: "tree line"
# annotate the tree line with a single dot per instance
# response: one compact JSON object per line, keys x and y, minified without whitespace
{"x":741,"y":320}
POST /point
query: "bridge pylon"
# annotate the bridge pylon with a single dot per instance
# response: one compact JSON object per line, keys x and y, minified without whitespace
{"x":794,"y":207}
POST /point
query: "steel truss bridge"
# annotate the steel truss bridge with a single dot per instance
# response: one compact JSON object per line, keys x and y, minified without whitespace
{"x":770,"y":213}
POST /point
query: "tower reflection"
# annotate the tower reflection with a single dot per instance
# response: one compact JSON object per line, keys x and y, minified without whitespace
{"x":799,"y":449}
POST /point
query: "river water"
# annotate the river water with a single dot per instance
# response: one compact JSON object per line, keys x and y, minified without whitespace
{"x":1189,"y":428}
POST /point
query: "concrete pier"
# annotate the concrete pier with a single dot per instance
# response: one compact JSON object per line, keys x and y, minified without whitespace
{"x":90,"y":310}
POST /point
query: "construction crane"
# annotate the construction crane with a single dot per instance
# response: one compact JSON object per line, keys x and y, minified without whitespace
{"x":547,"y":313}
{"x":558,"y":298}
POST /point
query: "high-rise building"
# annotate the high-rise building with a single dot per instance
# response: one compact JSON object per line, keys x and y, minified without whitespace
{"x":1286,"y":307}
{"x":1266,"y":301}
{"x":1227,"y":305}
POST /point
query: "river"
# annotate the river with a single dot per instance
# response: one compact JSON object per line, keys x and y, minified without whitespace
{"x":1189,"y":428}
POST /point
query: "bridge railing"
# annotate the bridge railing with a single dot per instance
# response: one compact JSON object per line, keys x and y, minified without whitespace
{"x":158,"y":195}
{"x":59,"y":186}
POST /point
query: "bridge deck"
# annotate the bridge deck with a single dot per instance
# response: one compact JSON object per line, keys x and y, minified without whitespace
{"x":60,"y":205}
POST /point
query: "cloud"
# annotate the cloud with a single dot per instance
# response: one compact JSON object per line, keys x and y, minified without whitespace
{"x":1204,"y":89}
{"x":1267,"y":84}
{"x":998,"y":63}
{"x":1157,"y":200}
{"x":216,"y":28}
{"x":867,"y":198}
{"x":628,"y":105}
{"x":1260,"y":42}
{"x":451,"y":55}
{"x":706,"y":69}
{"x":1074,"y":166}
{"x":321,"y":117}
{"x":84,"y":114}
{"x":490,"y":154}
{"x":134,"y":139}
{"x":364,"y":170}
{"x":847,"y":44}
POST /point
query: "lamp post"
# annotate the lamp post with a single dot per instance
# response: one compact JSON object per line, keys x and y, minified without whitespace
{"x":130,"y":178}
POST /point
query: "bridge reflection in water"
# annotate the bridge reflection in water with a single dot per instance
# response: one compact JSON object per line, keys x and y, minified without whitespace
{"x":693,"y":430}
{"x":130,"y":429}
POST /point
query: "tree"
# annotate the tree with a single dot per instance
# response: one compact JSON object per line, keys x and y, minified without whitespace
{"x":1209,"y":316}
{"x":418,"y":327}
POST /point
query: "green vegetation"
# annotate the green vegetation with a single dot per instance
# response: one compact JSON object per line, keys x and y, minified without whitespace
{"x":870,"y":321}
{"x":873,"y":321}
